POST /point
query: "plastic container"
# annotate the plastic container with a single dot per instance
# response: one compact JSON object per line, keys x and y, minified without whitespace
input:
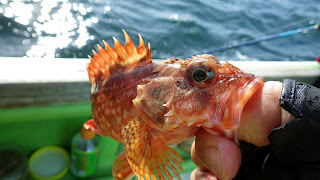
{"x":84,"y":153}
{"x":13,"y":164}
{"x":49,"y":163}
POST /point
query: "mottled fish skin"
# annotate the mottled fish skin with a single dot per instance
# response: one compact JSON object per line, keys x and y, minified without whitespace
{"x":148,"y":105}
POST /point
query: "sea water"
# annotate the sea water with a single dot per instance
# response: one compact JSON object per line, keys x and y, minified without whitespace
{"x":175,"y":28}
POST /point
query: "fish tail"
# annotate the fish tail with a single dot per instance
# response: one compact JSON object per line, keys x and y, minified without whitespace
{"x":109,"y":61}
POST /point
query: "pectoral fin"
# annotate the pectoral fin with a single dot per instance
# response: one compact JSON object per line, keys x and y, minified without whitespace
{"x":148,"y":155}
{"x":121,"y":168}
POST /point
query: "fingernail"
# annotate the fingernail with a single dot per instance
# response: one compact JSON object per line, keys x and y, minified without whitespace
{"x":210,"y":177}
{"x":205,"y":175}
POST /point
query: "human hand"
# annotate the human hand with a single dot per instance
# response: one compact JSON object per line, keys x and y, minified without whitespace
{"x":220,"y":158}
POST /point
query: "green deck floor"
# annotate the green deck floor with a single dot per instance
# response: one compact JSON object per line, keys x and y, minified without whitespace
{"x":30,"y":128}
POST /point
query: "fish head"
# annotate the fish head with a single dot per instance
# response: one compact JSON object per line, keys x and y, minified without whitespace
{"x":195,"y":92}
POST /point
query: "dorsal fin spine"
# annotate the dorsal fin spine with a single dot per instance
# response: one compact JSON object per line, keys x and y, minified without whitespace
{"x":110,"y":61}
{"x":149,"y":51}
{"x":141,"y":46}
{"x":119,"y":49}
{"x":104,"y":56}
{"x":130,"y":48}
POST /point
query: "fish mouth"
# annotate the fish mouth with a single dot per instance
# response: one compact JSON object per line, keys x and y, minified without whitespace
{"x":226,"y":119}
{"x":242,"y":96}
{"x":249,"y":90}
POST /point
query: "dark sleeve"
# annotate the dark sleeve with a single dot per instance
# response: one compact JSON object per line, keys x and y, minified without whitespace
{"x":299,"y":140}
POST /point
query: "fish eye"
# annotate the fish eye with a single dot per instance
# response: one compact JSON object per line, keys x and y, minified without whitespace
{"x":200,"y":73}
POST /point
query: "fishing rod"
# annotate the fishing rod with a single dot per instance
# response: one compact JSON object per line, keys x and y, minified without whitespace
{"x":265,"y":38}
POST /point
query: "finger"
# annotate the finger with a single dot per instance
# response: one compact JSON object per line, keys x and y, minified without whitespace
{"x":199,"y":174}
{"x":195,"y":158}
{"x":261,"y":114}
{"x":218,"y":154}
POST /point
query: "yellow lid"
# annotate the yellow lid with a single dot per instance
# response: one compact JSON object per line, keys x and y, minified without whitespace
{"x":87,"y":133}
{"x":49,"y":163}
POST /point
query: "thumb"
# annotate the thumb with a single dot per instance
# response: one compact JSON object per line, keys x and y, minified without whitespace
{"x":219,"y":155}
{"x":262,"y":113}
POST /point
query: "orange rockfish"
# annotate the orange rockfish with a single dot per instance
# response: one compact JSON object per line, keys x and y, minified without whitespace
{"x":148,"y":105}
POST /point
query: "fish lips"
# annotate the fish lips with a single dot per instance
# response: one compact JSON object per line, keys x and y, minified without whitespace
{"x":227,"y":115}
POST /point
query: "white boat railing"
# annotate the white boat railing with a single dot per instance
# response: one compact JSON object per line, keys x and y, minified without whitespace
{"x":29,"y":82}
